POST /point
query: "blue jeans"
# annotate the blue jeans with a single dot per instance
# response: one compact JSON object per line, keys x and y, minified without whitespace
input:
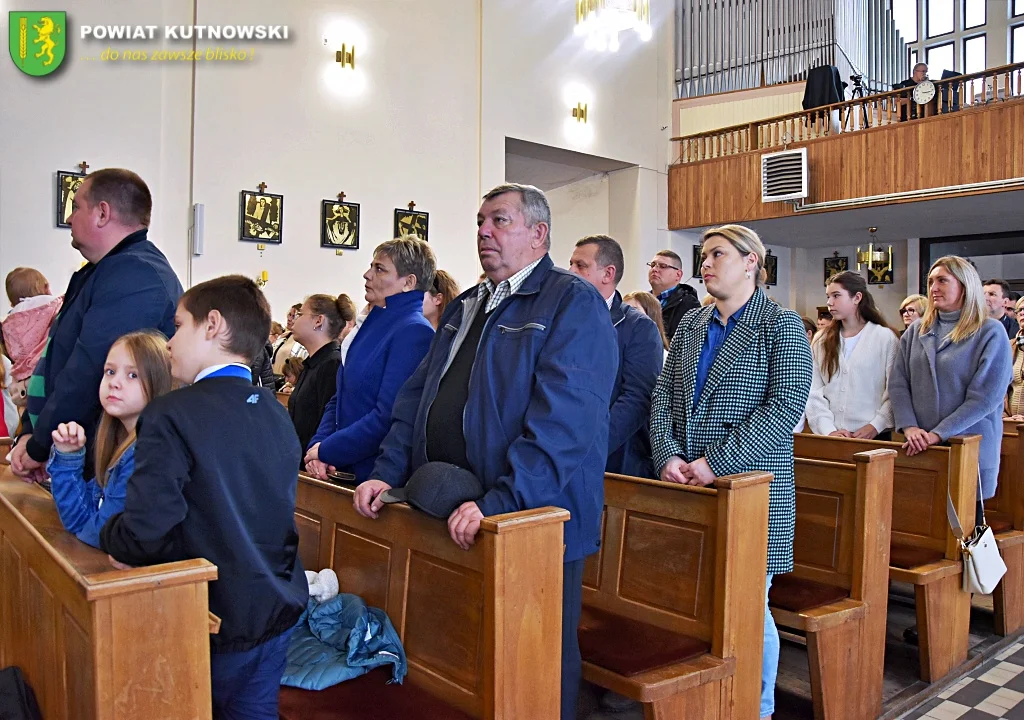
{"x":769,"y":657}
{"x":245,"y":684}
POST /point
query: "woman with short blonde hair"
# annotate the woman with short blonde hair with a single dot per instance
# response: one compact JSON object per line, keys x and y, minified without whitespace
{"x":912,"y":308}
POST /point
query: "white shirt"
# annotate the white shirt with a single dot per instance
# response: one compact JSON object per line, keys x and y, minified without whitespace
{"x":347,"y":342}
{"x":856,"y":394}
{"x":847,"y":344}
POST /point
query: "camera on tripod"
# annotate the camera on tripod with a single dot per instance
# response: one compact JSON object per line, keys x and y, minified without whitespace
{"x":858,"y":80}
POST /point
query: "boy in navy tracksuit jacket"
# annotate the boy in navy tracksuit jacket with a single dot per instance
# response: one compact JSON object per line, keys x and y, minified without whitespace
{"x":215,"y":478}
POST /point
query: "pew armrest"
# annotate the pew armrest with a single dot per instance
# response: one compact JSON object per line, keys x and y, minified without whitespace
{"x":664,"y":682}
{"x":925,"y":574}
{"x":1010,"y":538}
{"x":214,"y":624}
{"x":821,"y":618}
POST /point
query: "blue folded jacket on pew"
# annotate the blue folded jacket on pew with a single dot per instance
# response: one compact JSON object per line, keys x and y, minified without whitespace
{"x":340,"y":639}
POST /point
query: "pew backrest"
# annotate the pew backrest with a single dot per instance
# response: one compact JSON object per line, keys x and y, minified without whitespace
{"x":919,"y":485}
{"x":481,"y":628}
{"x":685,"y":559}
{"x":843,"y":514}
{"x":1008,"y":503}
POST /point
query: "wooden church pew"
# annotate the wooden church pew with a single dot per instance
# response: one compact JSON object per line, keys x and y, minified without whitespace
{"x":923,"y":551}
{"x":1005,"y":514}
{"x":481,"y":629}
{"x":95,"y":642}
{"x":282,"y":397}
{"x":837,"y":594}
{"x":673,"y":610}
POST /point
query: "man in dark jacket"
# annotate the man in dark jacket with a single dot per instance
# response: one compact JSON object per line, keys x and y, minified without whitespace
{"x":126,"y":285}
{"x":676,"y":297}
{"x":598,"y":259}
{"x":515,"y":388}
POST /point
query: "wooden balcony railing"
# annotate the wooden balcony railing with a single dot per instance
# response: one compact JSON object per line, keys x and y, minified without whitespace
{"x":951,"y":95}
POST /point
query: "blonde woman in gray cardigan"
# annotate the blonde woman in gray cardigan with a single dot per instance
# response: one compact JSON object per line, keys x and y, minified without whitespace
{"x":734,"y":385}
{"x":952,"y":369}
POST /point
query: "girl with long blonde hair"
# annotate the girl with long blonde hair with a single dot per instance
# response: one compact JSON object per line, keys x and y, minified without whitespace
{"x":138,"y":369}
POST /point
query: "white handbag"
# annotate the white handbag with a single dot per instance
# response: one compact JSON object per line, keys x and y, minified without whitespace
{"x":983,"y":566}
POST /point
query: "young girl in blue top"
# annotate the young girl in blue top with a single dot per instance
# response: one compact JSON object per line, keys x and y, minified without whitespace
{"x":138,"y":369}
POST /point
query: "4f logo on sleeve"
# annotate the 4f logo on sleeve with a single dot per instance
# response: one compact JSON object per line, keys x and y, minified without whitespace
{"x":253,"y":399}
{"x":38,"y":41}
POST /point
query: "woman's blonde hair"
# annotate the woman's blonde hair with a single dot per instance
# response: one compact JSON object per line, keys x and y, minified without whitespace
{"x":920,"y":303}
{"x":745,"y":241}
{"x":652,"y":309}
{"x":153,"y":363}
{"x":972,"y":313}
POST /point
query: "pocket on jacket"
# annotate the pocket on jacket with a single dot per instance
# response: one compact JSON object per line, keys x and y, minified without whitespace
{"x":522,"y":329}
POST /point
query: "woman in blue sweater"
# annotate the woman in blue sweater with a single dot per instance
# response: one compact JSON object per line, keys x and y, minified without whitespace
{"x":138,"y":369}
{"x":952,"y":369}
{"x":392,"y":341}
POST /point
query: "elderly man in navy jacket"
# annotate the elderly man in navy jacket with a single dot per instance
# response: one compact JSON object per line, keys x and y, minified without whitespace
{"x":598,"y":259}
{"x":126,"y":285}
{"x":516,"y":388}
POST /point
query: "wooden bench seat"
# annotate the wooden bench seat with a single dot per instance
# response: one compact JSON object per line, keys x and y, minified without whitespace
{"x":481,"y":628}
{"x":674,"y":601}
{"x":368,"y":697}
{"x":837,"y":593}
{"x":1005,"y":515}
{"x":923,"y":551}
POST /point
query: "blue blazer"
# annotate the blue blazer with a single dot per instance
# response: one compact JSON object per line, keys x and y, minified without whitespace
{"x":390,"y":344}
{"x":536,"y":419}
{"x":641,"y":355}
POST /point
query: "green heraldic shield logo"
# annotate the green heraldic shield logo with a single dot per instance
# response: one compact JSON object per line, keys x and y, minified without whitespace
{"x":38,"y":41}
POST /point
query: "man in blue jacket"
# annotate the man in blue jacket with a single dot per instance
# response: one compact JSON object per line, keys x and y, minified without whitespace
{"x":515,"y":388}
{"x":598,"y":259}
{"x":126,"y":285}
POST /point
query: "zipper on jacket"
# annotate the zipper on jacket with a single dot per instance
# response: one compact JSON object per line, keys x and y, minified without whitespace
{"x":528,"y":326}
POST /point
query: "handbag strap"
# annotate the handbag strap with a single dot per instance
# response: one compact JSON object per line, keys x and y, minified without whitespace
{"x":951,"y":516}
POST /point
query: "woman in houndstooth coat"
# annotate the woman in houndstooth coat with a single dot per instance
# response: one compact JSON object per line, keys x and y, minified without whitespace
{"x":734,"y":385}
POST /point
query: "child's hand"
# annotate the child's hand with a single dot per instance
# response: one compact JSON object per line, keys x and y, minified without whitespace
{"x":69,"y":437}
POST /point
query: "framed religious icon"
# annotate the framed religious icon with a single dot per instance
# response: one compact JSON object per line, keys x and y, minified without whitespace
{"x":67,"y":185}
{"x":339,"y":224}
{"x":261,"y":217}
{"x":771,"y":268}
{"x":835,"y":264}
{"x":411,"y":222}
{"x":696,"y":264}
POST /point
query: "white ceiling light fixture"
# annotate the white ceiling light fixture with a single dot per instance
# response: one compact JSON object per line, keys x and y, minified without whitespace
{"x":601,"y":21}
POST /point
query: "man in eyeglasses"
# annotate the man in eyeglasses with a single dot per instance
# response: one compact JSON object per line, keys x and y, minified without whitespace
{"x":676,"y":297}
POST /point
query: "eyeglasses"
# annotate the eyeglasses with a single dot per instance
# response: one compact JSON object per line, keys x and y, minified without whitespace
{"x":661,"y":266}
{"x":908,"y":310}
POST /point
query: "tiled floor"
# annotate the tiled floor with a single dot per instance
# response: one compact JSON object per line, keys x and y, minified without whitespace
{"x":991,"y":691}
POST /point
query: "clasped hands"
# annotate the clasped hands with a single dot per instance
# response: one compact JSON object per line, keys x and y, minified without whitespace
{"x":463,"y":524}
{"x":867,"y":432}
{"x":679,"y":471}
{"x":918,"y":440}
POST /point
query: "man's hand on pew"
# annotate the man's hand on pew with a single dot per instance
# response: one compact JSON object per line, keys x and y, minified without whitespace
{"x":464,"y":524}
{"x":841,"y":433}
{"x":24,"y":466}
{"x":367,"y":500}
{"x":918,"y":440}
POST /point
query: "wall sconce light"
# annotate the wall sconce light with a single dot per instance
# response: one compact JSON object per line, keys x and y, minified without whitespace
{"x":263,"y":278}
{"x":346,"y":56}
{"x":580,"y":112}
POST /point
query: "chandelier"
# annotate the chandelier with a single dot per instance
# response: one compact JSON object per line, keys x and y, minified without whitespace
{"x":601,"y":21}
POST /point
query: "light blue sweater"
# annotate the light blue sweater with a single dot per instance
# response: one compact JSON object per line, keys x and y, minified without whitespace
{"x":954,"y":388}
{"x":84,"y":506}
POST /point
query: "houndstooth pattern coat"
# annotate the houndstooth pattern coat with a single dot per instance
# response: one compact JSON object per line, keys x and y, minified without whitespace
{"x":755,"y":393}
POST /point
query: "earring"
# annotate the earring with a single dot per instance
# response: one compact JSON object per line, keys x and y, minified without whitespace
{"x":748,"y":274}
